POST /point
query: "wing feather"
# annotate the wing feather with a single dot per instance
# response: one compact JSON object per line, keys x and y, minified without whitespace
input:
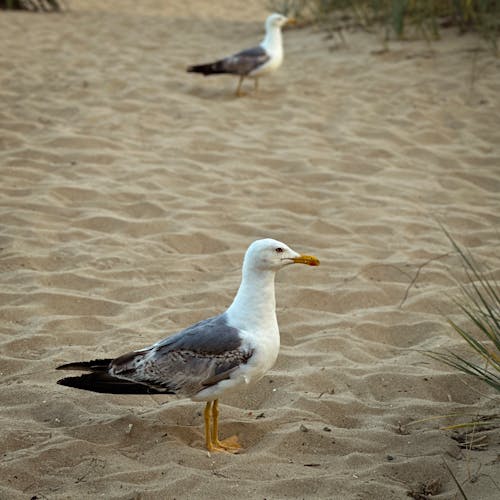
{"x":246,"y":61}
{"x":195,"y":358}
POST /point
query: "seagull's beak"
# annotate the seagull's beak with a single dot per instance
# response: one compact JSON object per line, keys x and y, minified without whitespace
{"x":291,"y":20}
{"x":310,"y":260}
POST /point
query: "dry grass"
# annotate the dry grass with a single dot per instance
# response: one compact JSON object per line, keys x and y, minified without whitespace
{"x":32,"y":5}
{"x":480,"y":305}
{"x":399,"y":18}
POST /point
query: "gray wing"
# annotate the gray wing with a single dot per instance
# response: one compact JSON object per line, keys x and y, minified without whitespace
{"x":193,"y":359}
{"x":246,"y":61}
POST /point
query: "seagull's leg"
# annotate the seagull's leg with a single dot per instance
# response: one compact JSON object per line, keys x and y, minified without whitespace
{"x":211,"y":432}
{"x":208,"y":436}
{"x":230,"y":444}
{"x":239,"y":93}
{"x":256,"y":85}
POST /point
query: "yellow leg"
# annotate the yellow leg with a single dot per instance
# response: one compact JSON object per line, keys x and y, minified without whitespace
{"x":239,"y":93}
{"x":230,"y":444}
{"x":215,"y":421}
{"x":211,"y":432}
{"x":206,"y":414}
{"x":256,"y":85}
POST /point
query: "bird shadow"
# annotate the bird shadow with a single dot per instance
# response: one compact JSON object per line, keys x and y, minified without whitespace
{"x":222,"y":94}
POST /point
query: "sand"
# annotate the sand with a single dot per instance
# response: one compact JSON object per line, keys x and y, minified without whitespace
{"x":129,"y":193}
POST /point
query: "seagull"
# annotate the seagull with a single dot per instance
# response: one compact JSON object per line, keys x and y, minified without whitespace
{"x":216,"y":355}
{"x":254,"y":62}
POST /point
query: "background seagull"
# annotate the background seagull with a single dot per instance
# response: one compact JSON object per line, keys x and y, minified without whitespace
{"x":211,"y":357}
{"x":254,"y":62}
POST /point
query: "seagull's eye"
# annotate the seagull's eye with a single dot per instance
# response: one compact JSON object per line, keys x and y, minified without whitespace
{"x":279,"y":250}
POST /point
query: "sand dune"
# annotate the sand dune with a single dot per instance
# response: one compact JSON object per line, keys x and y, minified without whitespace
{"x":129,"y":193}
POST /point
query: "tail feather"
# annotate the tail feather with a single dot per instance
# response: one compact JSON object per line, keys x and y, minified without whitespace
{"x":96,"y":365}
{"x":213,"y":68}
{"x":105,"y":383}
{"x":99,"y":379}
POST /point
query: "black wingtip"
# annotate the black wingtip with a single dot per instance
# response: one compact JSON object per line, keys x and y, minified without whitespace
{"x":213,"y":68}
{"x":96,"y":365}
{"x":107,"y":384}
{"x":85,"y":382}
{"x":66,"y":381}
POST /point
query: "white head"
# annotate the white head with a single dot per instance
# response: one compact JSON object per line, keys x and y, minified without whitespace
{"x":272,"y":255}
{"x":277,"y":21}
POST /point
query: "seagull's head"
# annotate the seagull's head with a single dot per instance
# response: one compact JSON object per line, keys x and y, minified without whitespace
{"x":277,"y":21}
{"x":272,"y":255}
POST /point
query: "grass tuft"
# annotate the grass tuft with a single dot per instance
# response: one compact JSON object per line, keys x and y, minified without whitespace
{"x":480,"y":304}
{"x":32,"y":5}
{"x":425,"y":18}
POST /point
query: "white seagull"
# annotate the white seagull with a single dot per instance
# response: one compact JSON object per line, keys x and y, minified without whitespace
{"x":211,"y":357}
{"x":254,"y":62}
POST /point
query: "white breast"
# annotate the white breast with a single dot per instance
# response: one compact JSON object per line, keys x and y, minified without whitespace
{"x":271,"y":65}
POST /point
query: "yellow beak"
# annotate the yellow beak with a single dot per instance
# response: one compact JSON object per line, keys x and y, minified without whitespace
{"x":310,"y":260}
{"x":291,"y":20}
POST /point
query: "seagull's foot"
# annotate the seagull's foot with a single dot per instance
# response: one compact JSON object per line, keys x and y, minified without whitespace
{"x":241,"y":93}
{"x":229,"y":445}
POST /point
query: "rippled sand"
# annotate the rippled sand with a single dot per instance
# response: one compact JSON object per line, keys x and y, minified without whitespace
{"x":129,"y":193}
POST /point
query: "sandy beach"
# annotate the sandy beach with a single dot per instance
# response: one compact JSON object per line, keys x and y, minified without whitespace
{"x":129,"y":191}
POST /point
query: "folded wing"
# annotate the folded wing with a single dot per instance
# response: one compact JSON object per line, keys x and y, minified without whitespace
{"x":242,"y":63}
{"x":185,"y":363}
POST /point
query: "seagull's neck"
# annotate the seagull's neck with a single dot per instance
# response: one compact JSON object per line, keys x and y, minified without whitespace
{"x":255,"y":302}
{"x":272,"y":41}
